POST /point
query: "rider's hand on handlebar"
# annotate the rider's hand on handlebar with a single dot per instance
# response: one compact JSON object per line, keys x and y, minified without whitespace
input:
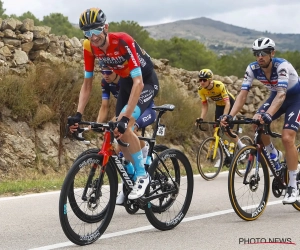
{"x":73,"y":122}
{"x":198,"y":120}
{"x":265,"y":118}
{"x":224,"y":119}
{"x":121,"y":127}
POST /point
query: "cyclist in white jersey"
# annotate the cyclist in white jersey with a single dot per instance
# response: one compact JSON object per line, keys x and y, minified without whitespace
{"x":280,"y":77}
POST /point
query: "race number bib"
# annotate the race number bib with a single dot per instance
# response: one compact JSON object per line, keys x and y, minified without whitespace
{"x":161,"y":130}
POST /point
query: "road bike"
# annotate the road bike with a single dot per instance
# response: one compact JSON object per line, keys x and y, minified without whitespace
{"x":88,"y":195}
{"x":215,"y":152}
{"x":130,"y":206}
{"x":249,"y":195}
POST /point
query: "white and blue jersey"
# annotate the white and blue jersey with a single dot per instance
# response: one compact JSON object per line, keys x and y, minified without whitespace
{"x":285,"y":76}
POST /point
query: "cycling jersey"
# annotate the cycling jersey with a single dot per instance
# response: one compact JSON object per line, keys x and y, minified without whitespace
{"x":217,"y":93}
{"x":108,"y":88}
{"x":283,"y":75}
{"x":123,"y":56}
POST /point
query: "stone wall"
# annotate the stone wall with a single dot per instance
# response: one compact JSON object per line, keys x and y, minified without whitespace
{"x":22,"y":45}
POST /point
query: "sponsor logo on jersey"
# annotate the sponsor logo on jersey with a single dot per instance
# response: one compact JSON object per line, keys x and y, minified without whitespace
{"x":282,"y":72}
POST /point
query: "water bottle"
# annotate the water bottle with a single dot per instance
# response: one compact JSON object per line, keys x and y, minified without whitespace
{"x":275,"y":160}
{"x":231,"y":148}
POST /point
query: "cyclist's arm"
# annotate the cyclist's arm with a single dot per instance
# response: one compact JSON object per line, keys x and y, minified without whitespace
{"x":283,"y":78}
{"x":135,"y":93}
{"x":103,"y":112}
{"x":85,"y":93}
{"x":239,"y":102}
{"x":86,"y":87}
{"x":135,"y":73}
{"x":227,"y":106}
{"x":242,"y":96}
{"x":204,"y":110}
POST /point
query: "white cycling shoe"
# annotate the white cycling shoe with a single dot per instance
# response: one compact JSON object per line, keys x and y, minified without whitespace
{"x":139,"y":187}
{"x":291,"y":195}
{"x":120,"y":198}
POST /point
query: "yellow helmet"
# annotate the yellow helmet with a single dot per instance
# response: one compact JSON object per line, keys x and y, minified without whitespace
{"x":92,"y":18}
{"x":205,"y":74}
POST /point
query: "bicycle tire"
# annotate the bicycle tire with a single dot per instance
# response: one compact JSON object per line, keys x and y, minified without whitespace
{"x":247,"y":141}
{"x":72,"y":199}
{"x":177,"y":177}
{"x":90,"y":221}
{"x":249,"y":212}
{"x":205,"y":163}
{"x":88,"y":151}
{"x":296,"y":205}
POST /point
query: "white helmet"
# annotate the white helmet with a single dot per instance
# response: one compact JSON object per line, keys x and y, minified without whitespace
{"x":263,"y":43}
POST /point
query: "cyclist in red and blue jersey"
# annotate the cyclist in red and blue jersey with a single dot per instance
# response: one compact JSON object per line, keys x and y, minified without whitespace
{"x":138,"y":84}
{"x":280,"y":77}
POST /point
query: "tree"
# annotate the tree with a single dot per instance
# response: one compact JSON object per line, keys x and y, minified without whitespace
{"x":29,"y":15}
{"x":60,"y":25}
{"x":133,"y":29}
{"x":2,"y":10}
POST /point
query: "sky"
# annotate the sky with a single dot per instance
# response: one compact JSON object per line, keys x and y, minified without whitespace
{"x":275,"y":16}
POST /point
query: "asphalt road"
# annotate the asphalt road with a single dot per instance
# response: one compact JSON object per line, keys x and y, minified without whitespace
{"x":32,"y":222}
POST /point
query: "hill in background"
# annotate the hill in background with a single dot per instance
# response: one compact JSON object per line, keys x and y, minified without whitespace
{"x":218,"y":36}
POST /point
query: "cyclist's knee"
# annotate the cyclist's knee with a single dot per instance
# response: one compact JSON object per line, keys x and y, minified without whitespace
{"x":288,"y":137}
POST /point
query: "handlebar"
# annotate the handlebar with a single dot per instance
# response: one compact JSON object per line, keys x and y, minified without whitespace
{"x":97,"y":127}
{"x":217,"y":123}
{"x":265,"y":127}
{"x":242,"y":120}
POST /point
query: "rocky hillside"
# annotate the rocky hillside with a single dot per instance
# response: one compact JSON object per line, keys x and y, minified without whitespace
{"x":22,"y":47}
{"x":219,"y":36}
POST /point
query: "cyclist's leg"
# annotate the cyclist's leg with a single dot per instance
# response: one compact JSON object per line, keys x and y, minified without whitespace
{"x":147,"y":118}
{"x":290,"y":128}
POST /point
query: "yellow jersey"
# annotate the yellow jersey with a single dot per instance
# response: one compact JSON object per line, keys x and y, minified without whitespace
{"x":218,"y":93}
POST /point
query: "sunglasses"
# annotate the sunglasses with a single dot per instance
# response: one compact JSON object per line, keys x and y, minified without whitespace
{"x":95,"y":32}
{"x":203,"y":80}
{"x":261,"y":53}
{"x":106,"y":72}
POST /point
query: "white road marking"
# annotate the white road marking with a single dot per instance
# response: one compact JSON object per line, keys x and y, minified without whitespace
{"x":140,"y":229}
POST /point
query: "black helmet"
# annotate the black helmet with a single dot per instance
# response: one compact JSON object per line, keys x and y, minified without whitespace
{"x":92,"y":18}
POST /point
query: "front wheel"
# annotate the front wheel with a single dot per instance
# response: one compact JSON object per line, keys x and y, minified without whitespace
{"x":209,"y":166}
{"x":249,"y":194}
{"x":247,"y":141}
{"x":172,"y":181}
{"x":87,"y":199}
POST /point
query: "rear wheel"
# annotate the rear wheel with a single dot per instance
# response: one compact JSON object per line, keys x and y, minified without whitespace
{"x":296,"y":205}
{"x":87,"y":199}
{"x":172,"y":178}
{"x":209,"y":166}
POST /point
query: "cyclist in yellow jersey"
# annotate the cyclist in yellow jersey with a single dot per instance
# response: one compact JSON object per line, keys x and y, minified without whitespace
{"x":217,"y":91}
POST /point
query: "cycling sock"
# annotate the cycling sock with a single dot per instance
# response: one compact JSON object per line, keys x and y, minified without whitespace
{"x":139,"y":163}
{"x":292,"y":181}
{"x":272,"y":149}
{"x":145,"y":151}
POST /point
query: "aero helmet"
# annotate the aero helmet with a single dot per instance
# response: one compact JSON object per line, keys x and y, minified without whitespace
{"x":263,"y":43}
{"x":205,"y":74}
{"x":91,"y":18}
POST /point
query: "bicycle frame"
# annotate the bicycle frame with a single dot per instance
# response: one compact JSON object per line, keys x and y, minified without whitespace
{"x":261,"y":151}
